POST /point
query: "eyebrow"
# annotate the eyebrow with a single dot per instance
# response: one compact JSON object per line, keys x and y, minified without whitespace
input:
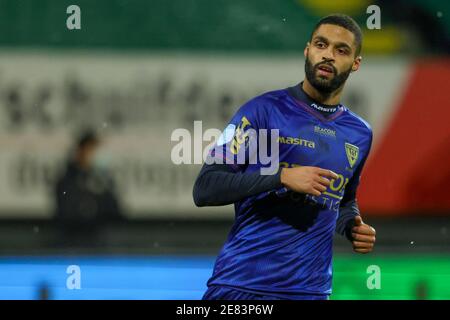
{"x":337,"y":44}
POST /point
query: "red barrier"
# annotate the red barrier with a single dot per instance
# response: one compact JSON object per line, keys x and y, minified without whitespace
{"x":409,"y":170}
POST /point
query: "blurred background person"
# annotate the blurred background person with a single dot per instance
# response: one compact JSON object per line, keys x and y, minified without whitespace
{"x":85,"y":193}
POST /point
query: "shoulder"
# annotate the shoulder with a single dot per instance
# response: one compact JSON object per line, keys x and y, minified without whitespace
{"x":264,"y":102}
{"x":270,"y":97}
{"x":359,"y":122}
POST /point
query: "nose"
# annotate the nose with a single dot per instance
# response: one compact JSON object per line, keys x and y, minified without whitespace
{"x":328,"y":54}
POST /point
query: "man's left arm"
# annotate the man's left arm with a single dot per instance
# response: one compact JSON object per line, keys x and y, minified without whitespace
{"x":349,"y":222}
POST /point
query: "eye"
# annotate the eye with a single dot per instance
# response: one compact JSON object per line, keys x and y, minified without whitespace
{"x":320,"y":45}
{"x":342,"y":51}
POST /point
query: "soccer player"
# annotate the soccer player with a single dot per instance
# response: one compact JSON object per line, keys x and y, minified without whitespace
{"x":280,"y":246}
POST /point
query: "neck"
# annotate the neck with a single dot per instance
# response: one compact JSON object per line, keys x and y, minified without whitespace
{"x":332,"y":98}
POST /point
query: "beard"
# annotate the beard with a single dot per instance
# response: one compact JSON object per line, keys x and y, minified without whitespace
{"x":323,"y":85}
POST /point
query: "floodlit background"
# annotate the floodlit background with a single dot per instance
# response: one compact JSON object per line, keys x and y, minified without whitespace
{"x":138,"y":70}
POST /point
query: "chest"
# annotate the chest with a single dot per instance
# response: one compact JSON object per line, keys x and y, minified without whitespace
{"x":311,"y":142}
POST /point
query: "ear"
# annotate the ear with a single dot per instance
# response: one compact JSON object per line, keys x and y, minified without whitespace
{"x":356,"y":64}
{"x":305,"y":51}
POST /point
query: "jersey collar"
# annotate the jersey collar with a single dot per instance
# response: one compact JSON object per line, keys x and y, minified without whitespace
{"x":323,"y":112}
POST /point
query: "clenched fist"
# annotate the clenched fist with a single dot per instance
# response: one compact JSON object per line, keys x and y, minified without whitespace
{"x":309,"y":180}
{"x":363,"y":236}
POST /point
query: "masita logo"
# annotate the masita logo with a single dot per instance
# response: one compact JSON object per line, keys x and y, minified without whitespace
{"x":297,"y":141}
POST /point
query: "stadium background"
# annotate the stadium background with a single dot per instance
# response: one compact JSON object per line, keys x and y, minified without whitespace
{"x":138,"y":70}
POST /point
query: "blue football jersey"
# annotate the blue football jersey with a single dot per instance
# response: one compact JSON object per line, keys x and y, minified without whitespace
{"x":281,"y":241}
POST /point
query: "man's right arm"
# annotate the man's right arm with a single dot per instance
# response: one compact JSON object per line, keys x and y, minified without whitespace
{"x":219,"y":184}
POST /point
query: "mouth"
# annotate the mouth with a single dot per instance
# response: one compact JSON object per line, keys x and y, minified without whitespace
{"x":325,"y":69}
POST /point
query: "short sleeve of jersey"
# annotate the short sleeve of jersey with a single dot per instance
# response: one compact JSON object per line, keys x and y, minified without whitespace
{"x":238,"y":143}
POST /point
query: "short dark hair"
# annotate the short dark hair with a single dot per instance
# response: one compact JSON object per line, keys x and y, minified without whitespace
{"x":346,"y":22}
{"x":87,"y":137}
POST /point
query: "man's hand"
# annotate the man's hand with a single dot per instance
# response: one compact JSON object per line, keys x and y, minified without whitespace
{"x":310,"y":180}
{"x":363,"y":236}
